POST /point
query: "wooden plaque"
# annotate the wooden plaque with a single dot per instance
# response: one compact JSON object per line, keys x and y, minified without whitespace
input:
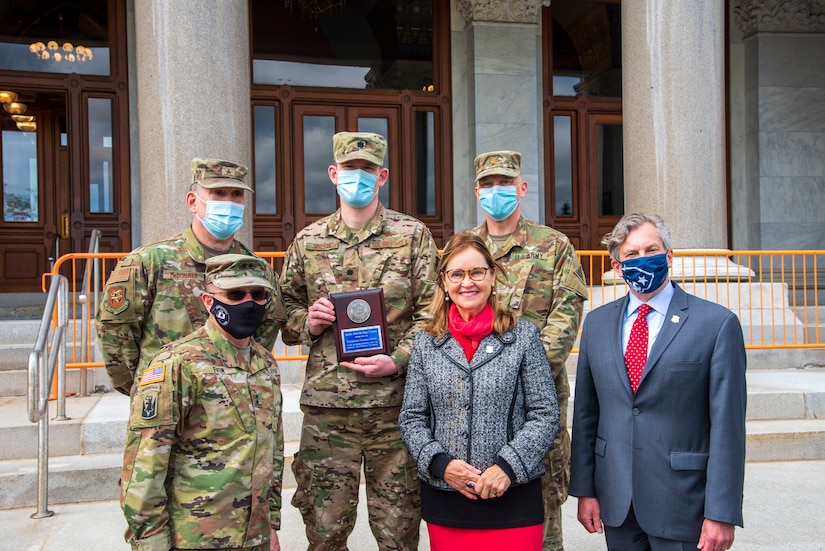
{"x":360,"y":324}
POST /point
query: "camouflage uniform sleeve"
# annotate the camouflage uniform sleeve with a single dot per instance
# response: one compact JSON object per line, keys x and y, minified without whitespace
{"x":150,"y":438}
{"x":275,"y":317}
{"x":423,"y":263}
{"x":119,"y":321}
{"x":294,"y":292}
{"x":570,"y":292}
{"x":278,"y":476}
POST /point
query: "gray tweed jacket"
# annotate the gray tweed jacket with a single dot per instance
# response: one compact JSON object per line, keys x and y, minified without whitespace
{"x":502,"y":404}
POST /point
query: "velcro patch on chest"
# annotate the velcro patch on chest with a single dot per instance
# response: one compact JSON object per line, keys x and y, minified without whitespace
{"x":388,"y":242}
{"x":182,"y":276}
{"x":321,"y":245}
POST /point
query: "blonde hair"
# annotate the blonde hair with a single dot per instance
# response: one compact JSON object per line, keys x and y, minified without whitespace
{"x":503,"y":320}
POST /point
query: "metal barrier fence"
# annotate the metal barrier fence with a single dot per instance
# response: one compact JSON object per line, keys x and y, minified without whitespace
{"x":779,"y":296}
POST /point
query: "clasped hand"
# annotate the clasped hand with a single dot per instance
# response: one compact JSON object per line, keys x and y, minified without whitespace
{"x":472,"y":483}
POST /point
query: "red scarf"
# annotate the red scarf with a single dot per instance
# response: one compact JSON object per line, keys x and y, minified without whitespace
{"x":469,"y":333}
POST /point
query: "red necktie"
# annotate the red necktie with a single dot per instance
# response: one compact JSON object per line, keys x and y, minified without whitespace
{"x":635,"y":356}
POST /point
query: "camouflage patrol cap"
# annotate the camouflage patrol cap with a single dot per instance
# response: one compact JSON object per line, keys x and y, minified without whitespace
{"x":230,"y":271}
{"x":217,"y":173}
{"x":369,"y":146}
{"x":506,"y":163}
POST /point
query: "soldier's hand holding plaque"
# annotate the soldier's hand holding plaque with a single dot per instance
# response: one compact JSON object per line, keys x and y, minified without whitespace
{"x":360,"y":324}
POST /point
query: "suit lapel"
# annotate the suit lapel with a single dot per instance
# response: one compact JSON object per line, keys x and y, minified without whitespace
{"x":677,"y":315}
{"x":616,"y":341}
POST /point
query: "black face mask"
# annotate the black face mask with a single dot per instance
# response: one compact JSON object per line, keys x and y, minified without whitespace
{"x":239,"y":320}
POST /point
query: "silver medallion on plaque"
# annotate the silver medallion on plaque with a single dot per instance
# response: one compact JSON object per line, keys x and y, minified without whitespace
{"x":358,"y":311}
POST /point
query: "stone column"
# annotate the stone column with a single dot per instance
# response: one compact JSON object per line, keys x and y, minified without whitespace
{"x":504,"y":81}
{"x":674,"y":117}
{"x":193,"y":75}
{"x":780,"y":201}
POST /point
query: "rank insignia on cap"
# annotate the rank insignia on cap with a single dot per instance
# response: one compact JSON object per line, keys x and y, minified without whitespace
{"x":149,"y":404}
{"x":116,"y":301}
{"x":152,"y":375}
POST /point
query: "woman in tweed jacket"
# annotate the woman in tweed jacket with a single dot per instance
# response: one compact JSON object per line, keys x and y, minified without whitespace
{"x":479,"y":411}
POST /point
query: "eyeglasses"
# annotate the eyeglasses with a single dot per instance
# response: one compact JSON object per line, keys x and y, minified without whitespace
{"x":237,"y":295}
{"x":475,"y":274}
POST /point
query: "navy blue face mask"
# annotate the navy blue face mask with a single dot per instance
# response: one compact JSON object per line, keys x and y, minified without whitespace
{"x":645,"y":274}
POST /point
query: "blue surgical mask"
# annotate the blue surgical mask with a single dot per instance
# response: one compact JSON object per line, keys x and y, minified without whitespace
{"x":498,"y":201}
{"x":356,"y":187}
{"x":645,"y":274}
{"x":222,"y":218}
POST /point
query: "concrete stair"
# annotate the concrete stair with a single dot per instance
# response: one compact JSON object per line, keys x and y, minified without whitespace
{"x":786,"y":420}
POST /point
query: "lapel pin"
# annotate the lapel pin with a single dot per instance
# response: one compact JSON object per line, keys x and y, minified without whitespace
{"x":489,"y":349}
{"x":674,"y":319}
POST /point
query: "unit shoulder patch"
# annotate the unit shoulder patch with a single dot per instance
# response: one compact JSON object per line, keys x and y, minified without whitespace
{"x":116,"y":301}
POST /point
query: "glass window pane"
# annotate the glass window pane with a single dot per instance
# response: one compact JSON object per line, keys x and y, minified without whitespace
{"x":319,"y":193}
{"x":609,"y":177}
{"x":55,"y":37}
{"x":382,"y":44}
{"x":563,"y":165}
{"x":20,"y":176}
{"x":587,"y":53}
{"x":265,"y":160}
{"x":379,"y":126}
{"x":425,"y":163}
{"x":101,"y":169}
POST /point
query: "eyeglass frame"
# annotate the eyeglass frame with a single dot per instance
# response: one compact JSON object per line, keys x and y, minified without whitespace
{"x":246,"y":293}
{"x":466,"y":273}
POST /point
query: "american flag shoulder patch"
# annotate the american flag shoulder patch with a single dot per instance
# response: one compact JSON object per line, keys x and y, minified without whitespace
{"x":152,"y":375}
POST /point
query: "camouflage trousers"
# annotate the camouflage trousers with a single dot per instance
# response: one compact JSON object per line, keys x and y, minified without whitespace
{"x":554,"y":486}
{"x":335,"y":442}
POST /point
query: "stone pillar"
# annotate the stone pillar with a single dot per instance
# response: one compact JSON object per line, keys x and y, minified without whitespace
{"x":781,"y":200}
{"x":674,"y":117}
{"x":503,"y":84}
{"x":193,"y":75}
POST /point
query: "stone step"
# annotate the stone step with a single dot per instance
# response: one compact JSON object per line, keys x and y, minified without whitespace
{"x":785,"y":440}
{"x":786,"y":421}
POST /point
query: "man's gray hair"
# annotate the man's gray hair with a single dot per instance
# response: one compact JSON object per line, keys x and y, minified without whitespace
{"x":630,"y":222}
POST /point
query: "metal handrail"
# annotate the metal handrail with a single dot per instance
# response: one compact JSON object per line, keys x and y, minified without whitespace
{"x":83,"y":299}
{"x":41,"y":369}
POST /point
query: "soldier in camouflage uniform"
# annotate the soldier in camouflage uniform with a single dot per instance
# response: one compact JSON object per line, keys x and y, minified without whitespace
{"x":204,"y":450}
{"x":151,"y":297}
{"x":351,"y":408}
{"x":545,"y":286}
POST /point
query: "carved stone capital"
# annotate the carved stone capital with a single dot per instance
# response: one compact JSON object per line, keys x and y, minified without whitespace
{"x":799,"y":16}
{"x":501,"y":11}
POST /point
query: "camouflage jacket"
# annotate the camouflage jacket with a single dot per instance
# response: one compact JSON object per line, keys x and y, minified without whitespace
{"x":392,"y":251}
{"x":545,"y":285}
{"x":204,"y":452}
{"x":153,"y":298}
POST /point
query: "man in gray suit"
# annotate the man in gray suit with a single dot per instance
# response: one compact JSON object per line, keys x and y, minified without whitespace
{"x":658,"y":450}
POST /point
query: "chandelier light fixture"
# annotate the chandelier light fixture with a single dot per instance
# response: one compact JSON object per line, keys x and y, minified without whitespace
{"x":67,"y":51}
{"x":15,"y":107}
{"x":315,"y":8}
{"x":25,"y":123}
{"x":7,"y":96}
{"x":53,"y":50}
